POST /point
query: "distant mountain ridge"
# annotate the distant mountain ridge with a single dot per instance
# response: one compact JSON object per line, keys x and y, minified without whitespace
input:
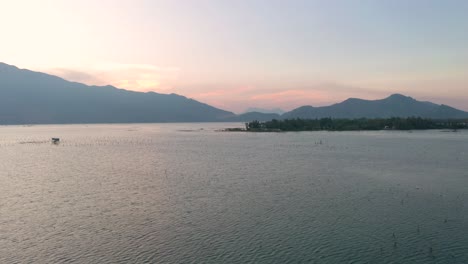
{"x":278,"y":111}
{"x":396,"y":105}
{"x":28,"y":97}
{"x":250,"y":116}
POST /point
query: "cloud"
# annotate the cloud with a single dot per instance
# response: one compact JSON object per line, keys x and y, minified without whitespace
{"x":288,"y":95}
{"x":136,"y":77}
{"x":130,"y":66}
{"x":239,"y":98}
{"x":76,"y":76}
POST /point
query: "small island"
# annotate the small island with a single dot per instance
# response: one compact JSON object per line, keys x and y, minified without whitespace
{"x":361,"y":124}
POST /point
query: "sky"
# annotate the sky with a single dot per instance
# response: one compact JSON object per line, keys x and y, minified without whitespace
{"x":236,"y":54}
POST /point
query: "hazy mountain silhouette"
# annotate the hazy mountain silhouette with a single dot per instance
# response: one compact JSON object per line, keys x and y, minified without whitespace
{"x":28,"y":97}
{"x":278,"y":111}
{"x":396,"y":105}
{"x":250,"y":116}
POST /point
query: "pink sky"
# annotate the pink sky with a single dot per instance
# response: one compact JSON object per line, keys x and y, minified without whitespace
{"x":239,"y":97}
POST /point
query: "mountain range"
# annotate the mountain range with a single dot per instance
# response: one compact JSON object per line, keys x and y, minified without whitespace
{"x":396,"y":105}
{"x":28,"y":97}
{"x":278,"y":111}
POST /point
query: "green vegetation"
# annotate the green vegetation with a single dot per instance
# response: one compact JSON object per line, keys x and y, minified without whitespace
{"x":330,"y":124}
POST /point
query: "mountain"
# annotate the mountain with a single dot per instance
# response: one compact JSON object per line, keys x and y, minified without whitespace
{"x":396,"y":105}
{"x":28,"y":97}
{"x":247,"y":117}
{"x":278,"y":111}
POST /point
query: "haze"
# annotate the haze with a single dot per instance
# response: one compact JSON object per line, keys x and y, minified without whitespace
{"x":240,"y":54}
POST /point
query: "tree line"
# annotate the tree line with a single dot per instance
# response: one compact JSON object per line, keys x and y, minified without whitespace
{"x":338,"y":124}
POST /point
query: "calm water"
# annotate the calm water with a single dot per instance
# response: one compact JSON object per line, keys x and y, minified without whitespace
{"x":185,"y":193}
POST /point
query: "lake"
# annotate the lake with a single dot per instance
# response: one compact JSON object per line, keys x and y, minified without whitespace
{"x":187,"y":193}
